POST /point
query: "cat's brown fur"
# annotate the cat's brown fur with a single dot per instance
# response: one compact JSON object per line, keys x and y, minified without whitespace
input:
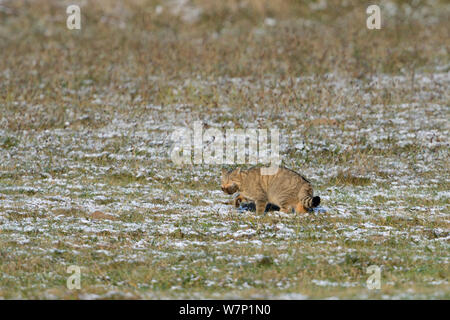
{"x":286,"y":189}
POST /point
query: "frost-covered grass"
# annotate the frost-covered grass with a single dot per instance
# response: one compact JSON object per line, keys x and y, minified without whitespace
{"x":85,"y":126}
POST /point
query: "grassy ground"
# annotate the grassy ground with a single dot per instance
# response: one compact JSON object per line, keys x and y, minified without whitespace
{"x":85,"y":124}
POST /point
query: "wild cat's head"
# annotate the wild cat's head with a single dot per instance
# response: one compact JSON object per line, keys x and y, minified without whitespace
{"x":231,"y":180}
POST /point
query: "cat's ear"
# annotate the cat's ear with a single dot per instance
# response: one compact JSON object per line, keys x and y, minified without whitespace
{"x":224,"y":171}
{"x":238,"y":170}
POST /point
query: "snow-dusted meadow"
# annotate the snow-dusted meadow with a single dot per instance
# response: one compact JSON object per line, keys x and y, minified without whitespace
{"x":82,"y":141}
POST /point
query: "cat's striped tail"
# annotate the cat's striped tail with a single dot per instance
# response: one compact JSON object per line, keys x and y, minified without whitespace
{"x":305,"y":197}
{"x":310,"y":202}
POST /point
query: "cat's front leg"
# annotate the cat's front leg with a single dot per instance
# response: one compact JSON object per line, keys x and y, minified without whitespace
{"x":238,"y":199}
{"x":260,"y":206}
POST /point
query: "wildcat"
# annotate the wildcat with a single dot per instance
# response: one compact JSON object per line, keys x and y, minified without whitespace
{"x":286,"y":189}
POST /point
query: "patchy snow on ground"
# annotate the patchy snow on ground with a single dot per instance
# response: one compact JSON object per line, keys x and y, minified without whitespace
{"x":394,"y":157}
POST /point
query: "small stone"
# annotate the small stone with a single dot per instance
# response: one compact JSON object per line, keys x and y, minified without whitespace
{"x":98,"y":215}
{"x":265,"y":261}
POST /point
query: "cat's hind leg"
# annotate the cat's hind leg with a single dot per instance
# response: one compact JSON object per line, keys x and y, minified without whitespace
{"x":285,"y":206}
{"x":299,"y":208}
